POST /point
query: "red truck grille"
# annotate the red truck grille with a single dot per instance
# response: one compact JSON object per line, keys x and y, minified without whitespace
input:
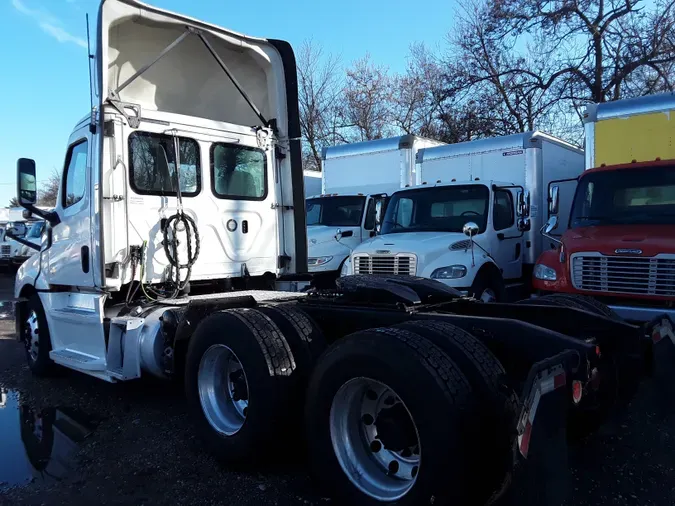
{"x":629,"y":275}
{"x":385,"y":264}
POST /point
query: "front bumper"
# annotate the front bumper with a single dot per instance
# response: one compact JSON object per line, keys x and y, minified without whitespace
{"x":642,"y":313}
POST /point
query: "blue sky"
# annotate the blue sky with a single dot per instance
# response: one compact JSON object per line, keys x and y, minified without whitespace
{"x":45,"y":86}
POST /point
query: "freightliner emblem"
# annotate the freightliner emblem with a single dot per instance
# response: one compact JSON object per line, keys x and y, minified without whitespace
{"x":628,"y":251}
{"x":382,"y":251}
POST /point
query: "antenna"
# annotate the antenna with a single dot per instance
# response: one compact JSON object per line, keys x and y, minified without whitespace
{"x":92,"y":122}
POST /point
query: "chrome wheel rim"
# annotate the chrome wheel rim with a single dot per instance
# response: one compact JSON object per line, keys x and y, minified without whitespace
{"x":32,"y":336}
{"x":488,"y":295}
{"x":375,"y":439}
{"x":223,"y":389}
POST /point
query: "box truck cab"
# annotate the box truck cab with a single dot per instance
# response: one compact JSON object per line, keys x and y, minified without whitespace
{"x":355,"y":178}
{"x":620,"y":244}
{"x":469,"y":223}
{"x":33,"y":235}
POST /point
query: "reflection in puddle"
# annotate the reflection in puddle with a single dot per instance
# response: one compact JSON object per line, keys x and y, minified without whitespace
{"x":37,"y":445}
{"x":7,"y":309}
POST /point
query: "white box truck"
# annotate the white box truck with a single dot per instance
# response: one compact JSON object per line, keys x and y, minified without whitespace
{"x":493,"y":190}
{"x":355,"y":177}
{"x":313,"y":182}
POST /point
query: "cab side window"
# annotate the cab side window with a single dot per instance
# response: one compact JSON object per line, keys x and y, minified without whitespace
{"x":75,"y":174}
{"x":369,"y":224}
{"x":503,"y":210}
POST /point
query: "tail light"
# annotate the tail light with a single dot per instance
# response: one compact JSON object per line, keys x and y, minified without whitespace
{"x":577,"y":391}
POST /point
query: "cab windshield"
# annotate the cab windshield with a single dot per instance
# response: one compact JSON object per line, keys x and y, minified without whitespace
{"x":335,"y":211}
{"x":641,"y":196}
{"x":36,"y":230}
{"x":437,"y":209}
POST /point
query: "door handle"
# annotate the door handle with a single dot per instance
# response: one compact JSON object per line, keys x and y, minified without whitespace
{"x":84,"y":258}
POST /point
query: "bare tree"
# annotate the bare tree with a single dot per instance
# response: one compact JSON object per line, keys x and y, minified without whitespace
{"x":366,"y":107}
{"x":319,"y":88}
{"x":49,"y":191}
{"x":478,"y":71}
{"x":604,"y":49}
{"x":13,"y":202}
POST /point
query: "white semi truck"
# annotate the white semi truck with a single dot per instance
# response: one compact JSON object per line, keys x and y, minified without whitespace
{"x":495,"y":192}
{"x":356,"y":177}
{"x":167,"y":182}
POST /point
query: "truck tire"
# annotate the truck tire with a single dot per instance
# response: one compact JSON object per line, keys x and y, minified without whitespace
{"x":378,"y":402}
{"x":487,"y":287}
{"x":301,"y":332}
{"x":36,"y":338}
{"x":498,"y":409}
{"x":576,"y":301}
{"x":241,"y":384}
{"x":590,"y":303}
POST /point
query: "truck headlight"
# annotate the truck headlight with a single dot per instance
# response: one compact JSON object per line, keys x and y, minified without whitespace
{"x":315,"y":261}
{"x":544,"y":273}
{"x":449,"y":272}
{"x":346,"y":267}
{"x":24,"y":251}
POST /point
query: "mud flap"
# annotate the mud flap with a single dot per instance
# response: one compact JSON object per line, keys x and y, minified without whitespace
{"x":540,"y":474}
{"x":660,"y":334}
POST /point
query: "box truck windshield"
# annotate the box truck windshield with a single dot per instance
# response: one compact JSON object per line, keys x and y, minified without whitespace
{"x":36,"y":230}
{"x":625,"y":197}
{"x":437,"y":209}
{"x":335,"y":211}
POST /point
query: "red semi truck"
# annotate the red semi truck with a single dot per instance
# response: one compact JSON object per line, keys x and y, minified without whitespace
{"x":619,"y":246}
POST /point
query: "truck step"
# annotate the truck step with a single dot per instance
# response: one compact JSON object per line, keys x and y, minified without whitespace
{"x":77,"y":361}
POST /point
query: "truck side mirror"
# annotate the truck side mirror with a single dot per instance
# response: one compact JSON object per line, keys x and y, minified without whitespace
{"x":524,"y":224}
{"x":551,"y":225}
{"x":553,"y":199}
{"x":470,"y":229}
{"x":378,"y":216}
{"x":26,"y":182}
{"x":523,"y":206}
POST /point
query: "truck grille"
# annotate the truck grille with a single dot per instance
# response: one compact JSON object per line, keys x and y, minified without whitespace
{"x":629,"y":275}
{"x":385,"y":264}
{"x":5,"y":250}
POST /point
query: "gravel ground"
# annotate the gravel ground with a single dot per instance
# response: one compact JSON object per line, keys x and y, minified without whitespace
{"x":137,"y":447}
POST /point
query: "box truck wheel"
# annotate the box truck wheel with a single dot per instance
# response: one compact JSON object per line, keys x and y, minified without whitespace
{"x":241,"y":383}
{"x":36,"y":338}
{"x":488,"y":285}
{"x":588,"y":303}
{"x":386,"y":418}
{"x":497,"y":408}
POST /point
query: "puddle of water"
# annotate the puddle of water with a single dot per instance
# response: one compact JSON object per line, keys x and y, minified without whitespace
{"x":38,"y":446}
{"x":7,"y":309}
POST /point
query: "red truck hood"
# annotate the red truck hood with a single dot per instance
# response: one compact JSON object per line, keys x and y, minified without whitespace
{"x":649,"y":239}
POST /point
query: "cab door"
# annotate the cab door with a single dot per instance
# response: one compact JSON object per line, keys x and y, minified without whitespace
{"x":70,"y":254}
{"x":507,"y":245}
